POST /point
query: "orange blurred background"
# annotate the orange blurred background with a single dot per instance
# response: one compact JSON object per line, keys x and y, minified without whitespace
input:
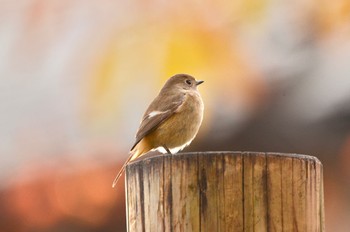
{"x":76,"y":77}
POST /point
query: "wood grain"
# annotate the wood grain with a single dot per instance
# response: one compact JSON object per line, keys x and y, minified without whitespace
{"x":225,"y":191}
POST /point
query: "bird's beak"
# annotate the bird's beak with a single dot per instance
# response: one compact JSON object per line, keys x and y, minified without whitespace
{"x":199,"y":82}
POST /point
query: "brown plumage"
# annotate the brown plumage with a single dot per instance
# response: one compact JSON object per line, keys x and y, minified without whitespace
{"x":171,"y":121}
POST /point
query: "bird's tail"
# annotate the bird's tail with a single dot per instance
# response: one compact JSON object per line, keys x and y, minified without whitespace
{"x":135,"y":153}
{"x":121,"y":171}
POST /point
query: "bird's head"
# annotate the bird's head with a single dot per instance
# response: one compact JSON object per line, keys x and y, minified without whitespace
{"x":183,"y":82}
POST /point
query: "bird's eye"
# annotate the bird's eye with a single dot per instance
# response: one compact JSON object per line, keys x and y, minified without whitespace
{"x":189,"y":82}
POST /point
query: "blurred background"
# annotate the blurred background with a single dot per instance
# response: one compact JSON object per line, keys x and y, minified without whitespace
{"x":76,"y":77}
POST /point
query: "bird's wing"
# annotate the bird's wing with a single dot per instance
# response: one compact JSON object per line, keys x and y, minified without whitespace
{"x":153,"y":119}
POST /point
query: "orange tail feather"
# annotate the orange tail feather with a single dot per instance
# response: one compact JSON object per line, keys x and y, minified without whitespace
{"x":135,"y":153}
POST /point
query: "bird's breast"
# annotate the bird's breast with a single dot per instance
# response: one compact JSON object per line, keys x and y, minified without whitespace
{"x":180,"y":129}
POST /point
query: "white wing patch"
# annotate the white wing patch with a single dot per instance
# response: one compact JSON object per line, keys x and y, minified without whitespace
{"x":154,"y":113}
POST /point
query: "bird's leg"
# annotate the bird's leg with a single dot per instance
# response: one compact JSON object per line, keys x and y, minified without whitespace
{"x":167,"y":150}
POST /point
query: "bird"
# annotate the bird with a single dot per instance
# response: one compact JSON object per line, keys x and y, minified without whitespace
{"x":171,"y":121}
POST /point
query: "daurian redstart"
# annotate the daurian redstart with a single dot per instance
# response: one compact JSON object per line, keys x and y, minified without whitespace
{"x":171,"y":121}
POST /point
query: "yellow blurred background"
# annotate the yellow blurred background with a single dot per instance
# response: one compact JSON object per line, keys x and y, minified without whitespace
{"x":76,"y":77}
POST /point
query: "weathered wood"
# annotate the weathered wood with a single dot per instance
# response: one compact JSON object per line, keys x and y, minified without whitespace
{"x":225,"y":191}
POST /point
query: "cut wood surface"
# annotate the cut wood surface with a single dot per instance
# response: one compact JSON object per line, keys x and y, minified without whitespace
{"x":225,"y":191}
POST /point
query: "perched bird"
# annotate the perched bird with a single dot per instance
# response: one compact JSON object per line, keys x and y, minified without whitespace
{"x":171,"y":121}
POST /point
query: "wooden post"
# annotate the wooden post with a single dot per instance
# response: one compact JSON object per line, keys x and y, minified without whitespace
{"x":225,"y":191}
